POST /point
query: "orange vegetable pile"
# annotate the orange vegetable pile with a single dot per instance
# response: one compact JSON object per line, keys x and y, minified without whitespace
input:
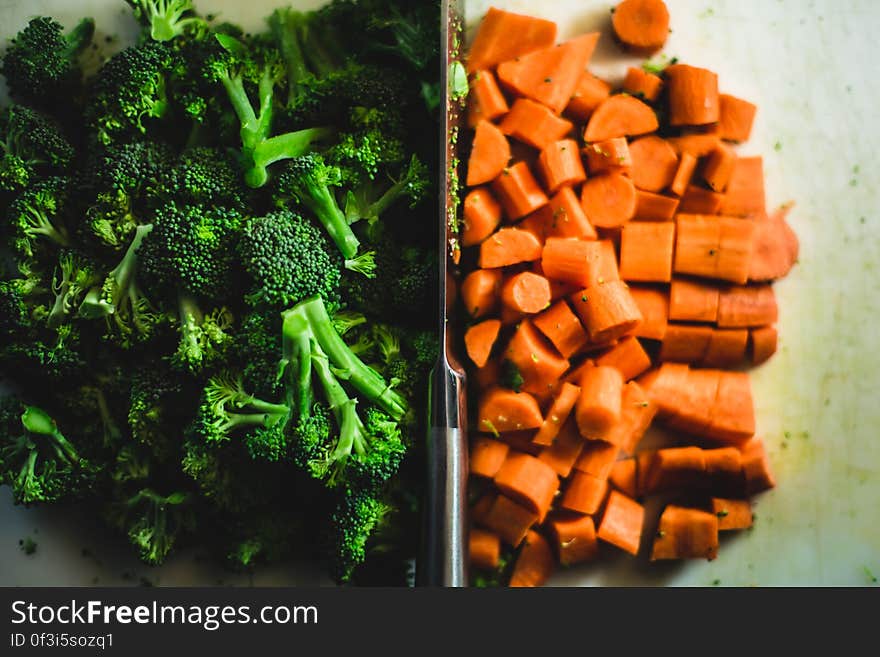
{"x":618,"y":274}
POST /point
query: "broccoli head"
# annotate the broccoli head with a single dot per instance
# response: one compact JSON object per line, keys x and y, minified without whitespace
{"x":167,"y":19}
{"x":204,"y":176}
{"x":34,"y":147}
{"x":356,"y":517}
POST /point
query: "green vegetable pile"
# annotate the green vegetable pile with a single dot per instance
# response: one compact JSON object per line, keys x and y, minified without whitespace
{"x":217,"y":308}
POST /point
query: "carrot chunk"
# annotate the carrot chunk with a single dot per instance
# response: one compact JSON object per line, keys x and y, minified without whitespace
{"x":735,"y":121}
{"x":559,"y":411}
{"x":685,"y":343}
{"x":733,"y":414}
{"x":713,"y":247}
{"x":724,"y":470}
{"x":519,"y":192}
{"x":623,"y":477}
{"x":653,"y":305}
{"x":509,"y":520}
{"x":628,"y":357}
{"x":697,"y":401}
{"x":584,"y":493}
{"x":527,"y":481}
{"x":641,"y":84}
{"x":699,"y":200}
{"x":509,"y":246}
{"x":698,"y":145}
{"x":567,"y":218}
{"x":588,"y":94}
{"x":622,"y":523}
{"x":693,"y":95}
{"x":608,"y":156}
{"x":674,"y":468}
{"x":582,"y":263}
{"x":727,"y":348}
{"x":565,"y":450}
{"x":609,"y":200}
{"x":575,"y":538}
{"x":719,"y":167}
{"x":732,"y":514}
{"x":775,"y":249}
{"x":654,"y":207}
{"x":620,"y":116}
{"x":503,"y":410}
{"x":479,"y":340}
{"x":559,"y":165}
{"x":492,"y":43}
{"x":607,"y":310}
{"x":597,"y":458}
{"x":756,"y":467}
{"x":599,"y":406}
{"x":538,"y":362}
{"x":654,"y":163}
{"x":489,"y":154}
{"x":534,"y":124}
{"x":686,"y":534}
{"x":562,"y":327}
{"x":484,"y":549}
{"x":534,"y":564}
{"x":481,"y":216}
{"x":486,"y":456}
{"x":485,"y":100}
{"x":753,"y":305}
{"x":480,"y":291}
{"x":637,"y":411}
{"x":744,"y":195}
{"x":687,"y":164}
{"x":646,"y":251}
{"x":690,"y":301}
{"x":641,"y":25}
{"x":762,"y":343}
{"x":526,"y":293}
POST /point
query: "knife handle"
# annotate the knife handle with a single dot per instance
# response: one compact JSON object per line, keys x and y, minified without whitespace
{"x":443,"y":561}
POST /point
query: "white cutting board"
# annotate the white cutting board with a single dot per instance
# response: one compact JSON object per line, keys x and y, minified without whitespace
{"x":809,"y":66}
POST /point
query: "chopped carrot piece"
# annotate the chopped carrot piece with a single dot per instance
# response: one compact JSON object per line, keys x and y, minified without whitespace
{"x":509,"y":246}
{"x":775,"y":250}
{"x":597,"y":458}
{"x":724,"y":469}
{"x":511,"y":521}
{"x":756,"y":467}
{"x":641,"y":25}
{"x":584,"y":493}
{"x":551,"y":75}
{"x":588,"y":94}
{"x":620,"y":116}
{"x":735,"y":121}
{"x":686,"y":534}
{"x":481,"y":507}
{"x":559,"y":411}
{"x":735,"y":250}
{"x":492,"y":43}
{"x":480,"y":291}
{"x":562,"y":327}
{"x":628,"y":357}
{"x":486,"y":456}
{"x":608,"y":156}
{"x":713,"y":247}
{"x":646,"y":251}
{"x":687,"y":164}
{"x":567,"y":218}
{"x":575,"y":537}
{"x":540,"y":365}
{"x":519,"y":192}
{"x":526,"y":293}
{"x":623,"y":477}
{"x":684,"y":343}
{"x":653,"y":305}
{"x":582,"y":263}
{"x":732,"y":514}
{"x":481,"y":216}
{"x":693,"y":95}
{"x":696,"y":402}
{"x":528,"y":481}
{"x":727,"y":348}
{"x":565,"y":450}
{"x":538,"y":223}
{"x":622,"y":523}
{"x":484,"y":549}
{"x":487,"y":376}
{"x":762,"y":343}
{"x":674,"y":468}
{"x":690,"y":301}
{"x":641,"y":84}
{"x":607,"y":310}
{"x":636,"y":414}
{"x":534,"y":124}
{"x":534,"y":564}
{"x":654,"y":163}
{"x":609,"y":200}
{"x":719,"y":167}
{"x":599,"y":406}
{"x":559,"y":165}
{"x":753,"y":305}
{"x":521,"y":441}
{"x":479,"y":340}
{"x":744,"y":195}
{"x":505,"y":410}
{"x":699,"y":145}
{"x":665,"y":386}
{"x":575,"y":374}
{"x":699,"y":200}
{"x":654,"y":207}
{"x":490,"y":153}
{"x":733,"y":413}
{"x":485,"y":100}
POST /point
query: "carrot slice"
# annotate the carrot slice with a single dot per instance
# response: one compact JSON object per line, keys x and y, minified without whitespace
{"x":485,"y":100}
{"x":551,"y":75}
{"x":724,"y":470}
{"x":509,"y":246}
{"x":490,"y":153}
{"x":733,"y":413}
{"x":584,"y":493}
{"x":756,"y":466}
{"x":527,"y":481}
{"x":561,"y":408}
{"x":481,"y":216}
{"x":562,"y":327}
{"x":539,"y":364}
{"x":686,"y":534}
{"x":719,"y":167}
{"x":641,"y":84}
{"x":762,"y":343}
{"x":519,"y":192}
{"x":654,"y":207}
{"x":654,"y":163}
{"x":597,"y":458}
{"x":699,"y":145}
{"x":745,"y":189}
{"x":637,"y":411}
{"x":609,"y":200}
{"x":588,"y":94}
{"x":736,"y":118}
{"x":480,"y":291}
{"x":620,"y":116}
{"x":753,"y":305}
{"x":699,"y":200}
{"x":481,"y":507}
{"x":610,"y":155}
{"x":484,"y":549}
{"x":509,"y":520}
{"x":534,"y":564}
{"x":575,"y":538}
{"x":559,"y":165}
{"x":479,"y":340}
{"x":646,"y":251}
{"x":674,"y":468}
{"x":486,"y":456}
{"x":607,"y":310}
{"x":503,"y":410}
{"x":696,"y":402}
{"x":628,"y":357}
{"x":567,"y":218}
{"x":521,"y":441}
{"x":653,"y":305}
{"x":691,"y":301}
{"x":727,"y":348}
{"x":665,"y":386}
{"x":622,"y":523}
{"x":735,"y":249}
{"x":565,"y":450}
{"x":687,"y":164}
{"x":693,"y":95}
{"x":582,"y":263}
{"x":487,"y":376}
{"x":732,"y":514}
{"x":641,"y":25}
{"x":526,"y":293}
{"x":684,"y":343}
{"x":599,"y":406}
{"x":714,"y":247}
{"x":623,"y":477}
{"x":775,"y":249}
{"x":534,"y":124}
{"x":492,"y":43}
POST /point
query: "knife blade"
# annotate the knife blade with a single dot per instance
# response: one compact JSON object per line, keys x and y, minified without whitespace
{"x":443,"y":561}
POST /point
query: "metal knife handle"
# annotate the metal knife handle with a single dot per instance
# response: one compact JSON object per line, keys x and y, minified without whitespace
{"x":444,"y":541}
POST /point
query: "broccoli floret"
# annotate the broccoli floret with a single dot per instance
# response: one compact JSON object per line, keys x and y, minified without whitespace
{"x":158,"y":408}
{"x":167,"y":19}
{"x":37,"y":461}
{"x":356,"y":517}
{"x":289,"y":260}
{"x":258,"y":341}
{"x":73,"y":278}
{"x":204,"y":176}
{"x":41,"y":65}
{"x":131,"y":465}
{"x":369,"y":200}
{"x":130,"y":90}
{"x":34,"y":147}
{"x":36,"y":215}
{"x":154,"y":522}
{"x":204,"y":338}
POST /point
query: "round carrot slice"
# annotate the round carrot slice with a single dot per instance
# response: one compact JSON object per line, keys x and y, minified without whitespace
{"x":489,"y":154}
{"x":654,"y":163}
{"x":641,"y":25}
{"x":609,"y":200}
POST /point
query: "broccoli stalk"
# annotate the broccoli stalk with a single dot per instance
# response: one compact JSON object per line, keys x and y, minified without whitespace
{"x":227,"y":407}
{"x":77,"y":276}
{"x":166,"y":19}
{"x":203,"y":338}
{"x":369,"y":201}
{"x":34,"y":215}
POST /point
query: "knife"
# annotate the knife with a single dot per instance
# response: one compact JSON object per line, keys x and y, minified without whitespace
{"x":443,"y":561}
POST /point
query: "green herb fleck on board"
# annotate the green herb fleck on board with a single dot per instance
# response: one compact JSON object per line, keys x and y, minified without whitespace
{"x":777,"y":146}
{"x":28,"y":545}
{"x":707,"y":13}
{"x":871,"y":576}
{"x":716,"y":582}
